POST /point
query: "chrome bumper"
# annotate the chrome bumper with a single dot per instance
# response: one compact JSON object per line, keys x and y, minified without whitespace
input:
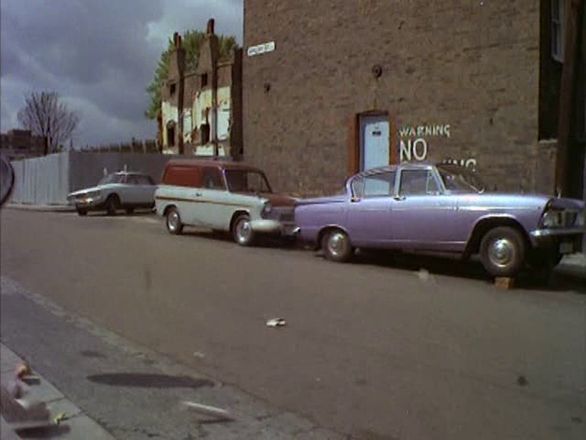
{"x":86,"y":202}
{"x":568,"y":240}
{"x":539,"y":233}
{"x":274,"y":227}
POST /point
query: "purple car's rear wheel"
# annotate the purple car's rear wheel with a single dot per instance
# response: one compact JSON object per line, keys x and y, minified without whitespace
{"x":502,"y":251}
{"x":336,"y":246}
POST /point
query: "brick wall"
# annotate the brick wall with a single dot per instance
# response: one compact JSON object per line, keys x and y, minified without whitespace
{"x":472,"y":65}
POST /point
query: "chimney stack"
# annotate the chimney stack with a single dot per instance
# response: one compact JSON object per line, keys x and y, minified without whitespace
{"x":177,"y":40}
{"x":211,"y":24}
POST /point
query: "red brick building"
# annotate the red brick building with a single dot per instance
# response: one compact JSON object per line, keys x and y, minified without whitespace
{"x":331,"y":87}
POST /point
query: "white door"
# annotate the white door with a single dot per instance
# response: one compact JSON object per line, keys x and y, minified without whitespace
{"x":374,"y":142}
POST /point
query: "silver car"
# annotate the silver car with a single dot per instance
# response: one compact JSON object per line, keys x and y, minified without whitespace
{"x":122,"y":190}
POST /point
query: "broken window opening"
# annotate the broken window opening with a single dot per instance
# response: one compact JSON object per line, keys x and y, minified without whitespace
{"x":557,"y":30}
{"x":205,"y":133}
{"x":171,"y":136}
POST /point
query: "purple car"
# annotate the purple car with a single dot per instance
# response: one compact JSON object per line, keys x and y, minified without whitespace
{"x":442,"y":209}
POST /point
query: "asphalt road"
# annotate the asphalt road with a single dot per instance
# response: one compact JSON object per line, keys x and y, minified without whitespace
{"x":373,"y":349}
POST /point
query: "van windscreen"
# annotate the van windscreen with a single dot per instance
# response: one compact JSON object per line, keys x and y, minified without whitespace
{"x":247,"y":181}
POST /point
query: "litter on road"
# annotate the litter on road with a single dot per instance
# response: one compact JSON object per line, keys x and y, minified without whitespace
{"x":61,"y":417}
{"x":425,"y":276}
{"x":276,"y":322}
{"x":208,"y":410}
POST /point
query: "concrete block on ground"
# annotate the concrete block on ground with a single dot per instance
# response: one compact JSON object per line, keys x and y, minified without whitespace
{"x":504,"y":283}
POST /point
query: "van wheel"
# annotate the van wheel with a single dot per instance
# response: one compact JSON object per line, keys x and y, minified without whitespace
{"x":112,"y":204}
{"x":502,"y":251}
{"x":336,"y":246}
{"x":242,"y":231}
{"x":174,"y":224}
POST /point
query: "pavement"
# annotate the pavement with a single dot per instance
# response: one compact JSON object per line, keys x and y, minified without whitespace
{"x":387,"y":347}
{"x":77,"y":425}
{"x":40,"y":208}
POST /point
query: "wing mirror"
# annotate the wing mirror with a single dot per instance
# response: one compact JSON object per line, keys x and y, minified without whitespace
{"x":6,"y":179}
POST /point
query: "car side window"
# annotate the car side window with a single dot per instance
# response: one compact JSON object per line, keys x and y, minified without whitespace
{"x":143,"y":180}
{"x":212,"y":179}
{"x":418,"y":182}
{"x":379,"y":185}
{"x":357,"y":187}
{"x":131,"y":180}
{"x":375,"y":185}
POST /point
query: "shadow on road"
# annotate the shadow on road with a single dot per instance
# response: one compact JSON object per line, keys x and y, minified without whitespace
{"x":262,"y":241}
{"x":453,"y":267}
{"x":560,"y":282}
{"x":54,"y":431}
{"x":136,"y":213}
{"x":149,"y":380}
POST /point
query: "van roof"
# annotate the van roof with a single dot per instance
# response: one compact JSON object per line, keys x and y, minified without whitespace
{"x":220,"y":164}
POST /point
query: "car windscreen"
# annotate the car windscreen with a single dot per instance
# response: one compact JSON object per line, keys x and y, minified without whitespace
{"x":110,"y":178}
{"x":461,"y":180}
{"x":247,"y":181}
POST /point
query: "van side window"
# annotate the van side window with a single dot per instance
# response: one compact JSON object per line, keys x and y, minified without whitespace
{"x":212,"y":179}
{"x":183,"y":176}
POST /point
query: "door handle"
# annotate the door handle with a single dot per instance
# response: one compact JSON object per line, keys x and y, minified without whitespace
{"x":197,"y":194}
{"x":399,"y":198}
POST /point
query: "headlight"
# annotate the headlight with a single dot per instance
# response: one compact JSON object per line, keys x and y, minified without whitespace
{"x":580,"y":219}
{"x":552,"y":219}
{"x":94,"y":194}
{"x":267,"y":208}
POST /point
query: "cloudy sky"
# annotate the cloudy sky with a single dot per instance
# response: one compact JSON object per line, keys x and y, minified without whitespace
{"x":99,"y":55}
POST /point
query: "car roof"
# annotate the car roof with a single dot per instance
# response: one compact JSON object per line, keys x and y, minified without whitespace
{"x":130,"y":172}
{"x":403,"y":165}
{"x":219,"y":164}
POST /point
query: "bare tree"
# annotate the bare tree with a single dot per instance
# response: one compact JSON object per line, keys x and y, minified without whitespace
{"x":46,"y":115}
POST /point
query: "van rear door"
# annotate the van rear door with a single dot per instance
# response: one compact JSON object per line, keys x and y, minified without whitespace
{"x":181,"y":187}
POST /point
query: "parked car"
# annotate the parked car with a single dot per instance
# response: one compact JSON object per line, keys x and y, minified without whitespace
{"x":122,"y":190}
{"x":222,"y":196}
{"x":442,"y":209}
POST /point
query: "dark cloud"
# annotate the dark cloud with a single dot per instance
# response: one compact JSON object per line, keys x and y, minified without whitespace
{"x":99,"y":55}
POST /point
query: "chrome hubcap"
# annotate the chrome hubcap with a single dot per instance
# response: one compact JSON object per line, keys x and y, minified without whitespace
{"x":173,"y":221}
{"x":243,"y":231}
{"x":501,"y":252}
{"x":337,"y":244}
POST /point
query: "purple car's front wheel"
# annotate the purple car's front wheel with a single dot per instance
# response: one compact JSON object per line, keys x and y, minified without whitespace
{"x":502,"y":251}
